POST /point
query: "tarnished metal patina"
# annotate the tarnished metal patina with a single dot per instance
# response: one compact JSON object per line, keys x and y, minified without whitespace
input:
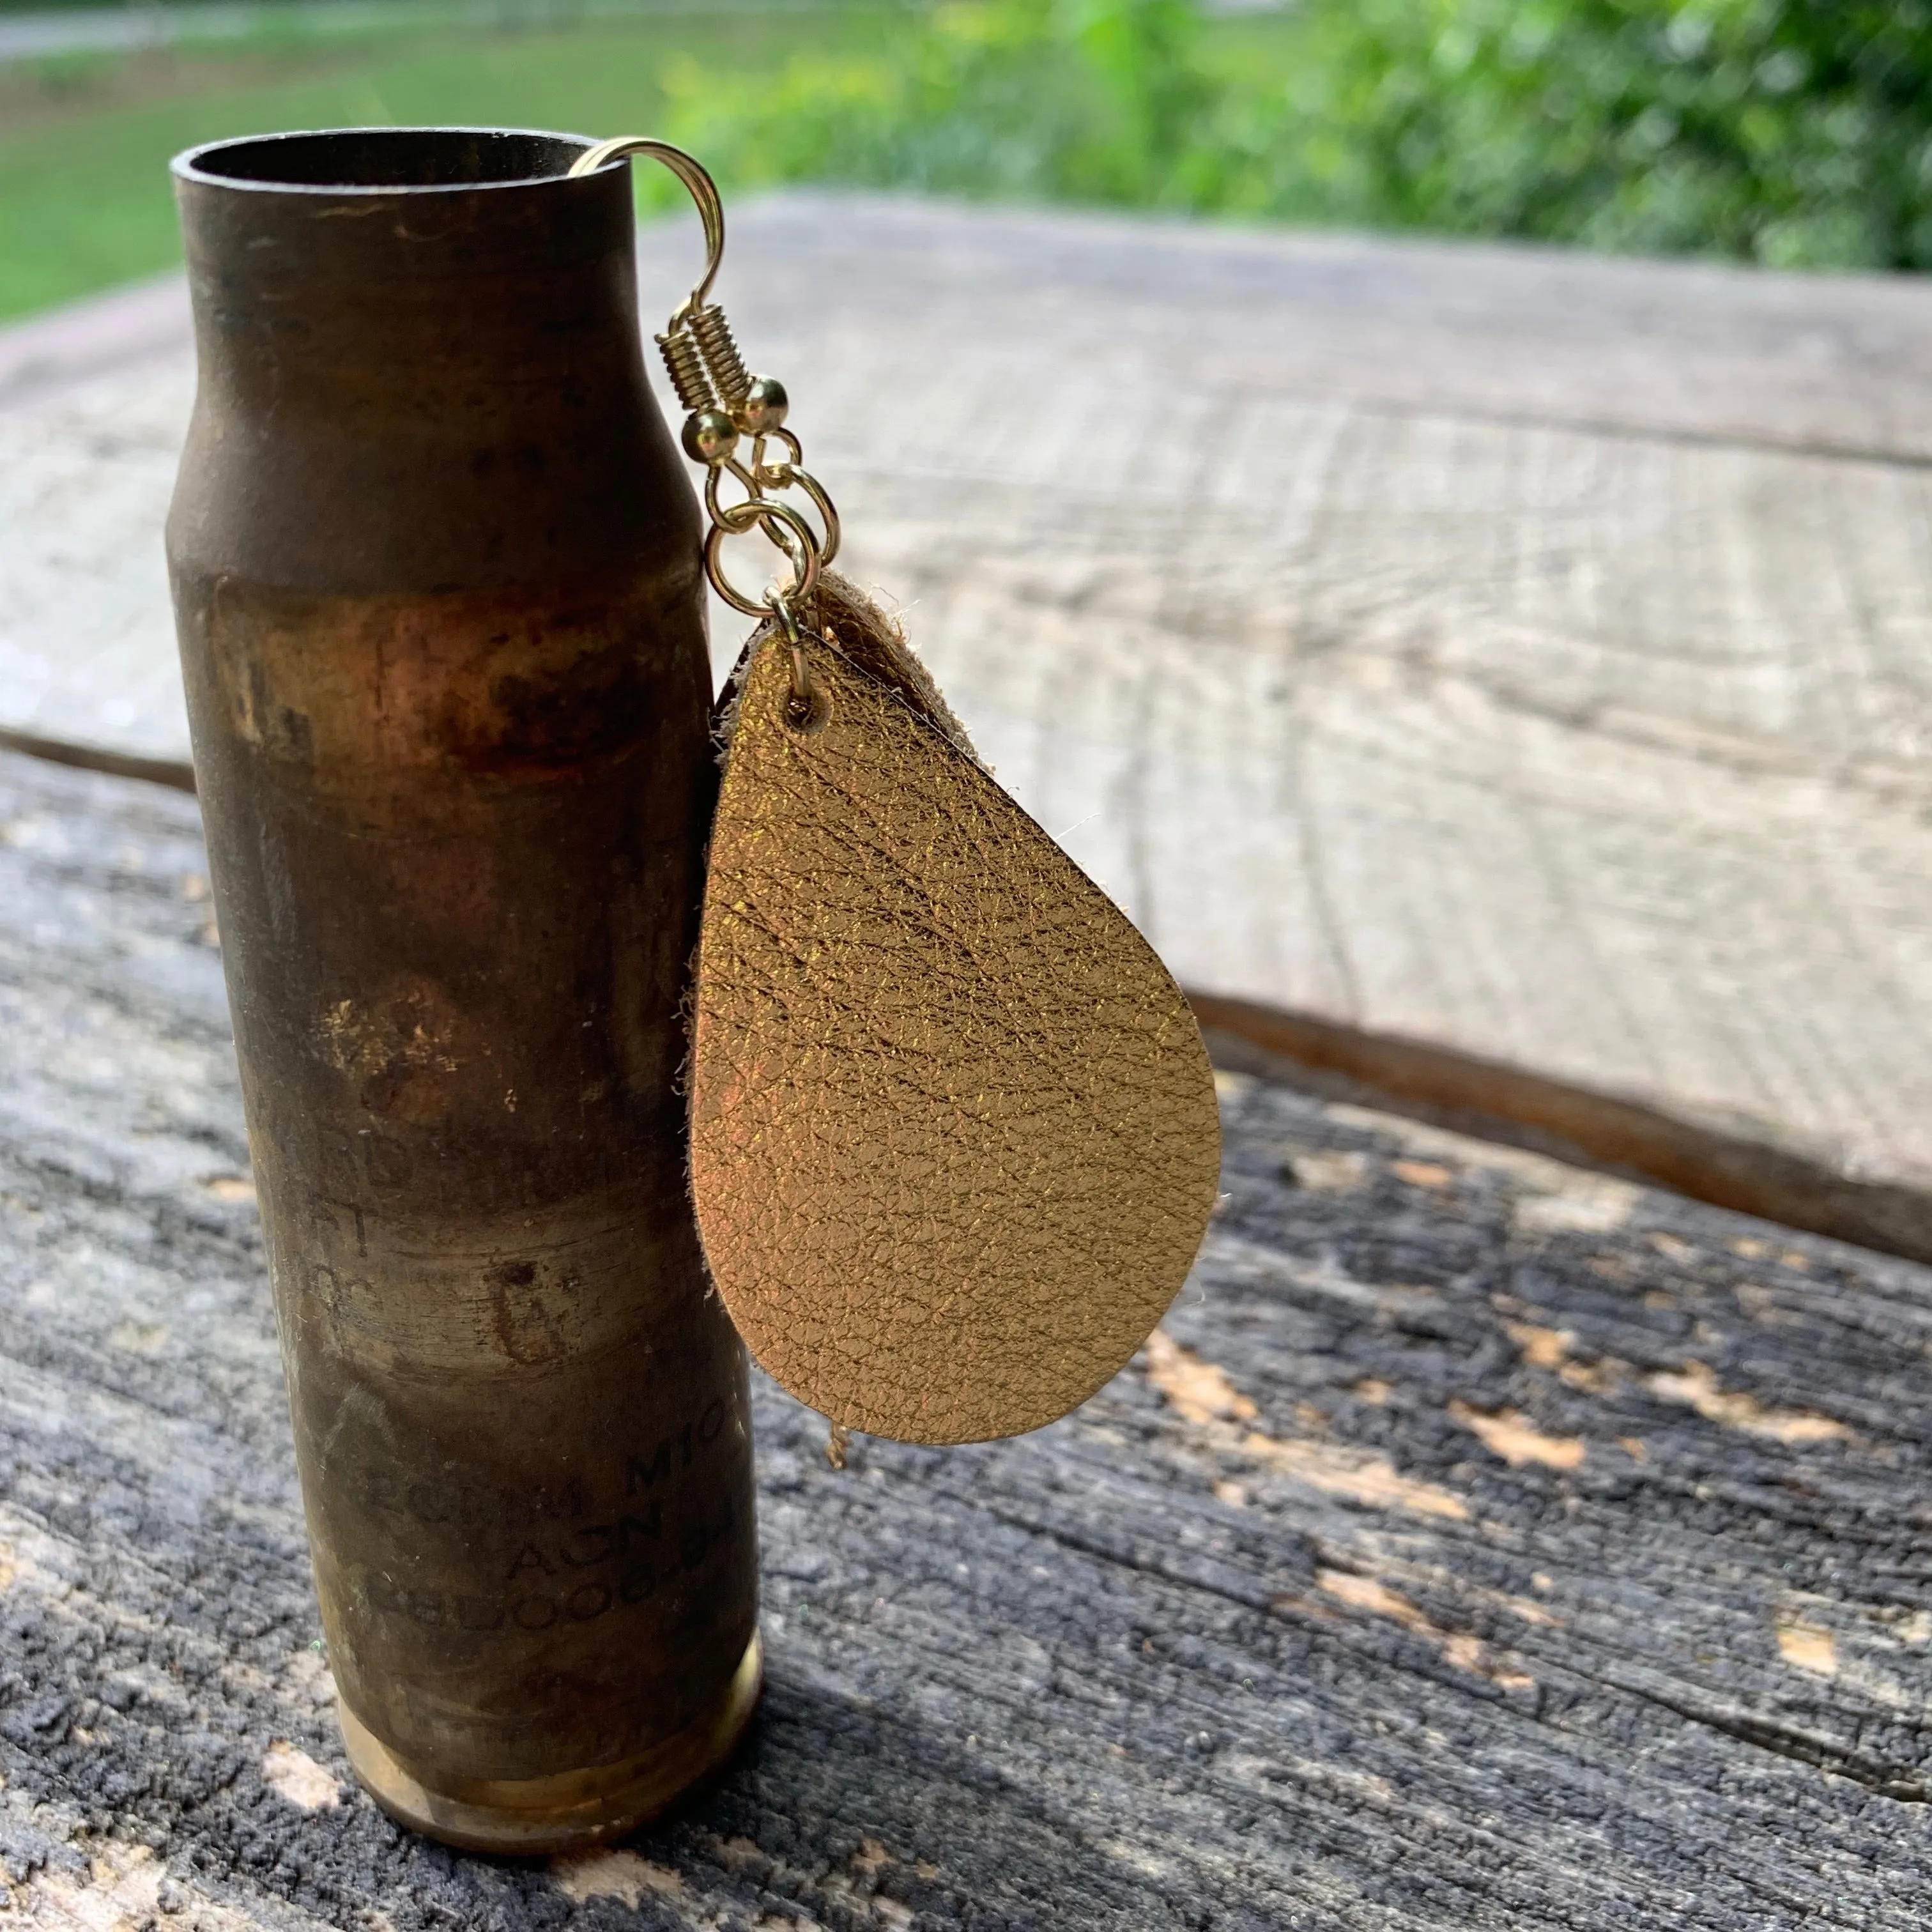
{"x":437,"y":579}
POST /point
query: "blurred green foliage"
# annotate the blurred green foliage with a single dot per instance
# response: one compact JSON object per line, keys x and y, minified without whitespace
{"x":1793,"y":132}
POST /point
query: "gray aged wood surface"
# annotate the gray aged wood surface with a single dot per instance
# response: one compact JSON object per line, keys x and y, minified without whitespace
{"x":1482,"y":1542}
{"x":1512,"y":667}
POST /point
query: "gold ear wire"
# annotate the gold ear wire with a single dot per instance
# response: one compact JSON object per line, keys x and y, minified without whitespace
{"x":697,"y":183}
{"x":724,"y":402}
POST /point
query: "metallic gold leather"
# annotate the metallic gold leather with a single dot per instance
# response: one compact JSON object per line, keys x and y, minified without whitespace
{"x":953,"y":1135}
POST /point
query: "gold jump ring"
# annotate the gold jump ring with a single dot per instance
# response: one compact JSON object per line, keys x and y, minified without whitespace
{"x":738,"y":521}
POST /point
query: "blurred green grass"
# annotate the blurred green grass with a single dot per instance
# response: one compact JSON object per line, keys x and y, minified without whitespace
{"x":85,"y":140}
{"x":1797,"y":132}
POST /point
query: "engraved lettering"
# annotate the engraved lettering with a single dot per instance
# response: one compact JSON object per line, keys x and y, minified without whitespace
{"x":587,"y":1546}
{"x":697,"y":1545}
{"x":588,"y":1600}
{"x":324,"y":1210}
{"x":650,"y":1524}
{"x":529,"y":1329}
{"x":637,"y":1470}
{"x":634,"y":1550}
{"x":530,"y":1558}
{"x":337,"y":1296}
{"x":434,"y":1506}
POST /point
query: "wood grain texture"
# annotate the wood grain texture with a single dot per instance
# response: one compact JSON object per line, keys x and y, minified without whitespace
{"x":1684,"y":351}
{"x":1582,"y":740}
{"x":145,"y":325}
{"x":1482,"y":1541}
{"x":87,"y":644}
{"x":1501,"y":655}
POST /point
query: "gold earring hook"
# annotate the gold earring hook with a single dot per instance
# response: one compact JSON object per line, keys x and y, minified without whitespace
{"x":725,"y":402}
{"x":697,"y":183}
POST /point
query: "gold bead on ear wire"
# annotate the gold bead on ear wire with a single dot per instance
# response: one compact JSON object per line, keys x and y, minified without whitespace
{"x":710,"y":437}
{"x":725,"y":402}
{"x":765,"y":406}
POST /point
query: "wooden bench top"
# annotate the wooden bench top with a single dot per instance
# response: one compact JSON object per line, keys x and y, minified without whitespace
{"x":1497,"y":676}
{"x":1482,"y":1541}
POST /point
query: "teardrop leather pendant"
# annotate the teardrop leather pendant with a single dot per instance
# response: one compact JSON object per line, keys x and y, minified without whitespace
{"x":953,"y":1135}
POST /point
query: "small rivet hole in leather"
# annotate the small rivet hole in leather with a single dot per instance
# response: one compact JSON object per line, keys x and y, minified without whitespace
{"x":807,"y":716}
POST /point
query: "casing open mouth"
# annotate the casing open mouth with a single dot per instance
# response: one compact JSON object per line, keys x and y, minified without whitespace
{"x":385,"y":161}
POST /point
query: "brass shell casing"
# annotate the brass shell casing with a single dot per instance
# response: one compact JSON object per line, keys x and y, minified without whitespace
{"x":438,"y":588}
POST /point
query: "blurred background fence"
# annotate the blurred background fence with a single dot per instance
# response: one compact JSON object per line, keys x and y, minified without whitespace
{"x":1795,"y":132}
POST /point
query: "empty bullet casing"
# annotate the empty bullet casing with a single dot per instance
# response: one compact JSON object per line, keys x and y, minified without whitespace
{"x":438,"y":588}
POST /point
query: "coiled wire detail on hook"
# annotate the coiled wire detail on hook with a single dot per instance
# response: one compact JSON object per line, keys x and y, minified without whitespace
{"x":724,"y":402}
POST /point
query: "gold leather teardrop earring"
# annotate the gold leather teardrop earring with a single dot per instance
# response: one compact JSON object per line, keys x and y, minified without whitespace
{"x":954,"y":1141}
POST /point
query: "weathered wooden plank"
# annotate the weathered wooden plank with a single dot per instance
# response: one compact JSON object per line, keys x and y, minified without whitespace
{"x":1406,"y":665}
{"x":1594,"y":757}
{"x":1482,"y":1541}
{"x":1677,"y":350}
{"x":145,"y":324}
{"x":1683,"y":349}
{"x":87,"y":651}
